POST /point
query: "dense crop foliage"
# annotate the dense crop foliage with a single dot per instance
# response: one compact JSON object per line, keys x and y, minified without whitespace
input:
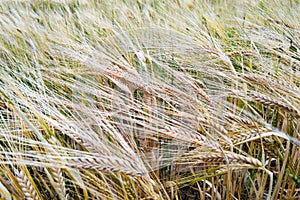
{"x":150,"y":99}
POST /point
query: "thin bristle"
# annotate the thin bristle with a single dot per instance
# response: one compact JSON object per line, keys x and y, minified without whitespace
{"x":149,"y":99}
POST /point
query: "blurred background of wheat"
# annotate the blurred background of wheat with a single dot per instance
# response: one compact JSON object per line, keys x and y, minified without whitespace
{"x":150,"y":99}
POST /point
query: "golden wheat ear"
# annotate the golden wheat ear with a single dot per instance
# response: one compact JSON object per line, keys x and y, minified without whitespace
{"x":56,"y":178}
{"x":26,"y":185}
{"x":108,"y":163}
{"x":268,"y":101}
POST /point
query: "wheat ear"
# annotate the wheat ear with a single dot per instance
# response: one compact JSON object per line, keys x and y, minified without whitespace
{"x":111,"y":163}
{"x":27,"y":188}
{"x":232,"y":157}
{"x":219,"y":157}
{"x":268,"y":101}
{"x":239,"y":119}
{"x":247,"y":136}
{"x":195,"y":138}
{"x":268,"y":82}
{"x":242,"y":53}
{"x":214,"y":125}
{"x":59,"y":182}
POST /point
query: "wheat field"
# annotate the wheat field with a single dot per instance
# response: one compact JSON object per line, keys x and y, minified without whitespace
{"x":149,"y":99}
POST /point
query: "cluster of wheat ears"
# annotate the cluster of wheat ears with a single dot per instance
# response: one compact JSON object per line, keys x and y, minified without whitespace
{"x":148,"y":99}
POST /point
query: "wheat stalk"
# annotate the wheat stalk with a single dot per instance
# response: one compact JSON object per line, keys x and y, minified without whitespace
{"x":4,"y":191}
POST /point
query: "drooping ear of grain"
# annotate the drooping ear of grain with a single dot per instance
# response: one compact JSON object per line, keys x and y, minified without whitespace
{"x":149,"y":99}
{"x":26,"y":185}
